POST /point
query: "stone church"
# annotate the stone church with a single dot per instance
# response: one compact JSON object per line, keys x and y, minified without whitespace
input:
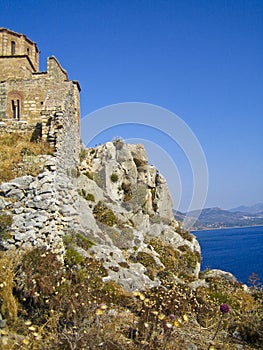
{"x":28,"y":95}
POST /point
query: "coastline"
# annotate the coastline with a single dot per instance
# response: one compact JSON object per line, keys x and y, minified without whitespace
{"x":222,"y":228}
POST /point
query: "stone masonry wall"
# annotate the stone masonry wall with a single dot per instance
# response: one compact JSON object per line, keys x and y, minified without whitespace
{"x":33,"y":89}
{"x":43,"y":207}
{"x":15,"y":67}
{"x":22,"y":46}
{"x":2,"y":101}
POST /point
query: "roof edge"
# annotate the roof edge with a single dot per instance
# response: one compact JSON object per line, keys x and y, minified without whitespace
{"x":2,"y":29}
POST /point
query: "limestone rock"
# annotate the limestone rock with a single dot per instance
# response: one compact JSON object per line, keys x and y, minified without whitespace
{"x":114,"y":198}
{"x":222,"y":274}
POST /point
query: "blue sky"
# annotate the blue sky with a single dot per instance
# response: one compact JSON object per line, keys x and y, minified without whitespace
{"x":202,"y":60}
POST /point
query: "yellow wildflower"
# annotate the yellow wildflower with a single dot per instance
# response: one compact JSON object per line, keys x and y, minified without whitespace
{"x":142,"y":297}
{"x":185,"y":318}
{"x":161,"y":317}
{"x":99,"y":312}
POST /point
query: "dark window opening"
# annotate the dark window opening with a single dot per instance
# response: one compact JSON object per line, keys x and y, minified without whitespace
{"x":13,"y":48}
{"x":28,"y":51}
{"x":16,"y":109}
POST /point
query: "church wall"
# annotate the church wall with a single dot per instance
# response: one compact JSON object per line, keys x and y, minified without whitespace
{"x":31,"y":91}
{"x":31,"y":99}
{"x":15,"y":44}
{"x":15,"y":68}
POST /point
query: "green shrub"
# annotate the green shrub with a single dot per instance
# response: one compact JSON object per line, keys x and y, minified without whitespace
{"x":5,"y":223}
{"x":114,"y":177}
{"x":83,"y":154}
{"x":167,"y":255}
{"x":189,"y":259}
{"x":104,"y":214}
{"x":73,"y":240}
{"x":88,"y":196}
{"x":73,"y":257}
{"x":147,"y":261}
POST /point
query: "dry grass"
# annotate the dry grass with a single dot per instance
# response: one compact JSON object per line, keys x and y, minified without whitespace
{"x":69,"y":307}
{"x":9,"y":305}
{"x":18,"y":155}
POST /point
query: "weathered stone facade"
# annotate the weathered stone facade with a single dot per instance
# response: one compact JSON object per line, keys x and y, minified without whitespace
{"x":55,"y":120}
{"x":18,"y":46}
{"x":26,"y":94}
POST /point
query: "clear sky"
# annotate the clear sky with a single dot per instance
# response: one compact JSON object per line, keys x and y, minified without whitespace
{"x":202,"y":60}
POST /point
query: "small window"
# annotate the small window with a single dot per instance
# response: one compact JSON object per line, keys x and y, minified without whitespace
{"x":28,"y":51}
{"x":16,"y":109}
{"x":13,"y":48}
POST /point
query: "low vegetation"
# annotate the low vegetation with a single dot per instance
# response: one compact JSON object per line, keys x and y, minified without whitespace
{"x":86,"y":195}
{"x":104,"y":214}
{"x":5,"y":223}
{"x":114,"y":177}
{"x":83,"y":154}
{"x":49,"y":304}
{"x":18,"y":155}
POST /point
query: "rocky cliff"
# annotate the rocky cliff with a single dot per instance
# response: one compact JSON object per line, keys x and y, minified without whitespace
{"x":92,"y":257}
{"x":113,"y":198}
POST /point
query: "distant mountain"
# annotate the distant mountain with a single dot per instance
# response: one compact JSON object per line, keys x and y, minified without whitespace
{"x":217,"y":218}
{"x":253,"y":209}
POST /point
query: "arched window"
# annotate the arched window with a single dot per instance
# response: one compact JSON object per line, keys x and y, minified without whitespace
{"x":14,"y":105}
{"x":13,"y":48}
{"x":16,"y":109}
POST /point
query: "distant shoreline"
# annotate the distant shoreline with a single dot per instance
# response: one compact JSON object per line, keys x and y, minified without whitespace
{"x":223,"y":228}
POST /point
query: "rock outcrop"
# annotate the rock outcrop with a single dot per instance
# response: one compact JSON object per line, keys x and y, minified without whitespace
{"x":110,"y":196}
{"x":115,"y":199}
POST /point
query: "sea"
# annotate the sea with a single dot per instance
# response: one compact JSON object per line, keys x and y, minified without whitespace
{"x":236,"y":250}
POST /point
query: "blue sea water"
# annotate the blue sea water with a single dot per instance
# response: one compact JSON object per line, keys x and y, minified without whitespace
{"x":237,"y":250}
